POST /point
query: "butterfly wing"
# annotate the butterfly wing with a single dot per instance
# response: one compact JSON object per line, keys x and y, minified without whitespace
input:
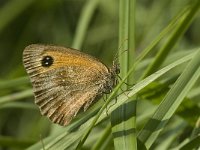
{"x":64,"y":80}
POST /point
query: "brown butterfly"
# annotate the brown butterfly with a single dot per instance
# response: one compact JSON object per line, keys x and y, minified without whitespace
{"x":65,"y":80}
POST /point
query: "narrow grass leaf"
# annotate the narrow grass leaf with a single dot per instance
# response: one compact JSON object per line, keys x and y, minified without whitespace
{"x":192,"y":144}
{"x":171,"y":102}
{"x":13,"y":83}
{"x":126,"y":59}
{"x":16,"y":96}
{"x":164,"y":51}
{"x":83,"y":23}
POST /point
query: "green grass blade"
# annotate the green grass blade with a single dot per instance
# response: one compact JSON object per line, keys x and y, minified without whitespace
{"x":16,"y":96}
{"x":164,"y":51}
{"x":13,"y":83}
{"x":196,"y":130}
{"x":126,"y":59}
{"x":83,"y":23}
{"x":171,"y":102}
{"x":191,"y":144}
{"x":101,"y":140}
{"x":19,"y":105}
{"x":177,"y":19}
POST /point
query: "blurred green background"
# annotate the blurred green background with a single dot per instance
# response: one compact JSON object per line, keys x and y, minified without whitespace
{"x":24,"y":22}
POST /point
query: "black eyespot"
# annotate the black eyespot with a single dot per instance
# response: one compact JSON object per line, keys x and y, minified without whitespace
{"x":47,"y":61}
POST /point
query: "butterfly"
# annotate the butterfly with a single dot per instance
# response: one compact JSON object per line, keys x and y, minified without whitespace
{"x":65,"y":80}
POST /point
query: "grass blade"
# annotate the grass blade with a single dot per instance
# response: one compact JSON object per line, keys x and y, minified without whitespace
{"x":171,"y":102}
{"x":164,"y":51}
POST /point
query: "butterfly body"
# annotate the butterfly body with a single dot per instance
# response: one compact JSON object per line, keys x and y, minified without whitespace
{"x":65,"y":79}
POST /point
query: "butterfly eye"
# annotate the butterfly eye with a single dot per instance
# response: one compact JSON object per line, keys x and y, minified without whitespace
{"x":47,"y":61}
{"x":117,"y":70}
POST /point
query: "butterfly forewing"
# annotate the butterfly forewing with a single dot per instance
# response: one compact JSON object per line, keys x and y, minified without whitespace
{"x":64,"y":80}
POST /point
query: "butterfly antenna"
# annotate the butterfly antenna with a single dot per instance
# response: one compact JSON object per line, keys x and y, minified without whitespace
{"x":120,"y":47}
{"x":116,"y":65}
{"x":122,"y":44}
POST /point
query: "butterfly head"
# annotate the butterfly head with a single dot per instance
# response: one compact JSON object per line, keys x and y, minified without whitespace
{"x":113,"y":77}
